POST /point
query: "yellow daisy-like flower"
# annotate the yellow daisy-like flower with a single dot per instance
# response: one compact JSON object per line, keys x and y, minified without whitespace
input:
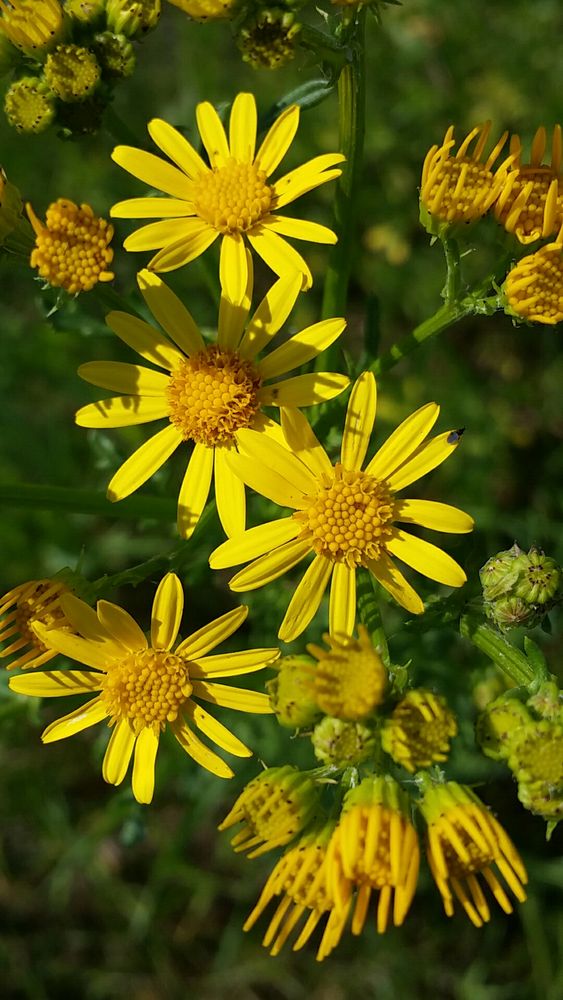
{"x":232,"y":198}
{"x":20,"y":609}
{"x":350,"y":678}
{"x":534,"y":286}
{"x":209,"y":393}
{"x":461,"y":187}
{"x":72,"y":247}
{"x":31,"y":25}
{"x":530,"y":204}
{"x":418,"y":732}
{"x":344,"y":516}
{"x":464,"y":841}
{"x":140,"y":688}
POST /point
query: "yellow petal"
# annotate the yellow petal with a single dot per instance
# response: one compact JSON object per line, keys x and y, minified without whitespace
{"x":233,"y":268}
{"x":229,"y":494}
{"x":278,"y":140}
{"x":145,"y":461}
{"x":254,"y":542}
{"x":153,"y":170}
{"x":212,"y":134}
{"x":269,"y":453}
{"x":210,"y":635}
{"x":55,"y":683}
{"x":167,"y":611}
{"x":194,"y":490}
{"x":426,"y":558}
{"x":264,"y":480}
{"x":265,"y":425}
{"x":271,"y":314}
{"x":170,"y":313}
{"x":122,"y":627}
{"x":215,"y":731}
{"x":301,"y":348}
{"x":299,"y":229}
{"x":122,"y":411}
{"x":278,"y":254}
{"x":309,"y":175}
{"x":118,"y":753}
{"x":268,"y":567}
{"x":146,"y":747}
{"x":430,"y":514}
{"x":82,"y":718}
{"x":232,"y":664}
{"x":176,"y":148}
{"x":233,"y":316}
{"x":198,"y":751}
{"x":156,"y":235}
{"x":143,"y":338}
{"x":306,"y":599}
{"x":342,"y":606}
{"x":91,"y":654}
{"x":302,"y":442}
{"x":125,"y":378}
{"x":429,"y":455}
{"x":185,"y":250}
{"x":84,"y":619}
{"x":393,"y":581}
{"x":400,"y":445}
{"x":360,"y":416}
{"x":152,"y":208}
{"x":232,"y":697}
{"x":304,"y":390}
{"x":242,"y":128}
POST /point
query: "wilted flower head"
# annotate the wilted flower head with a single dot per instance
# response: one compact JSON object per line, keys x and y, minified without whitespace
{"x":418,"y":731}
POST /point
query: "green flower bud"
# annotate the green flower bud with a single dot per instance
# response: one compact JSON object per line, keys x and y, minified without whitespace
{"x":115,"y":54}
{"x":536,"y":761}
{"x":547,"y":702}
{"x":499,"y":725}
{"x":86,"y":11}
{"x":342,"y":743}
{"x":539,"y":580}
{"x":512,"y":612}
{"x":29,"y":105}
{"x":267,"y":38}
{"x":132,"y":18}
{"x":72,"y":72}
{"x":500,"y":573}
{"x":292,"y":692}
{"x":519,"y":588}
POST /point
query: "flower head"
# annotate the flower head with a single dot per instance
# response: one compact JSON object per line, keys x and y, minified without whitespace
{"x":418,"y":731}
{"x":86,"y":11}
{"x":273,"y":808}
{"x":464,"y":841}
{"x":37,"y":601}
{"x":342,"y":743}
{"x":267,"y":38}
{"x":72,"y":247}
{"x":29,"y":105}
{"x":350,"y":678}
{"x":139,"y":688}
{"x":530,"y":204}
{"x":232,"y":198}
{"x":132,"y":18}
{"x":72,"y":72}
{"x":31,"y":25}
{"x":207,"y":10}
{"x":291,"y":694}
{"x":535,"y":757}
{"x":460,"y":188}
{"x":344,"y":516}
{"x":534,"y":286}
{"x":209,"y":393}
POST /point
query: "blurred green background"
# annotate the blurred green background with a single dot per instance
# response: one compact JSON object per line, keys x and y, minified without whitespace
{"x":99,"y":896}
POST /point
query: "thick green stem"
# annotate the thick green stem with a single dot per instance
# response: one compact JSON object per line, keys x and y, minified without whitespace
{"x":452,"y":290}
{"x":59,"y":498}
{"x":446,"y":316}
{"x":503,"y":654}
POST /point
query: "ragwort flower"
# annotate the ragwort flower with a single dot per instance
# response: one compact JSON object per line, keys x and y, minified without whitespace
{"x":530,"y":204}
{"x":345,"y":516}
{"x":418,"y":731}
{"x":72,"y":248}
{"x":140,"y":688}
{"x":534,"y":286}
{"x":232,"y":197}
{"x":20,"y":609}
{"x":31,"y":25}
{"x":208,"y":393}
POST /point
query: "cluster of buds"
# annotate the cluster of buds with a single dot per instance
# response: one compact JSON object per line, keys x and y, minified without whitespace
{"x":67,"y":57}
{"x":520,"y":588}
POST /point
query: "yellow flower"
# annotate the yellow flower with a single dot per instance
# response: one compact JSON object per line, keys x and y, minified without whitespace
{"x":31,"y":25}
{"x":210,"y":392}
{"x":343,"y":516}
{"x":140,"y":688}
{"x":534,"y":287}
{"x":531,"y":202}
{"x":350,"y":678}
{"x":31,"y":602}
{"x":418,"y":732}
{"x":376,"y":847}
{"x":72,"y":247}
{"x":461,"y":188}
{"x":72,"y":72}
{"x":206,"y":10}
{"x":232,"y":197}
{"x":29,"y":105}
{"x":465,"y":840}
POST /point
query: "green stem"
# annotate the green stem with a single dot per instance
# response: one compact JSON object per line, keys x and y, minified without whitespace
{"x":503,"y":654}
{"x":351,"y":111}
{"x":446,"y":316}
{"x":28,"y":496}
{"x":453,"y":277}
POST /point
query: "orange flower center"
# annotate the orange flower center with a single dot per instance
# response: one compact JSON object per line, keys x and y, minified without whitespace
{"x":146,"y":687}
{"x":212,"y":395}
{"x":232,"y":198}
{"x":349,"y":519}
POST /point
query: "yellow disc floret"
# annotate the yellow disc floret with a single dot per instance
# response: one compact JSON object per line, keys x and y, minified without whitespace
{"x":211,"y":395}
{"x":531,"y":202}
{"x":147,"y":687}
{"x":232,"y":198}
{"x":418,"y":732}
{"x":350,"y":677}
{"x":349,"y":519}
{"x":31,"y":602}
{"x":71,"y":249}
{"x":534,"y":288}
{"x":72,"y":72}
{"x":31,"y":25}
{"x":29,"y":105}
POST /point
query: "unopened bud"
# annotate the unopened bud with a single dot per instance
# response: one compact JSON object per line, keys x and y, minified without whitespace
{"x":132,"y":18}
{"x":342,"y":743}
{"x":115,"y":54}
{"x":292,"y":693}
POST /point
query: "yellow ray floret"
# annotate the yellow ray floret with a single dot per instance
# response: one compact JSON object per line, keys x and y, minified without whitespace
{"x":232,"y":196}
{"x":207,"y":393}
{"x":37,"y":601}
{"x":140,"y":687}
{"x":343,"y":515}
{"x":530,"y":204}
